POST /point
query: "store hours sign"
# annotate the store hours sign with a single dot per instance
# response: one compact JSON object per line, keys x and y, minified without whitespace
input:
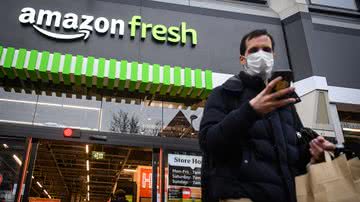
{"x":82,"y":26}
{"x":184,"y":170}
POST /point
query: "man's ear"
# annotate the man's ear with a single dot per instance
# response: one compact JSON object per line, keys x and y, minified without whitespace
{"x":242,"y":60}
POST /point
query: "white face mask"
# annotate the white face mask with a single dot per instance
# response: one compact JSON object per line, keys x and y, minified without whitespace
{"x":260,"y":64}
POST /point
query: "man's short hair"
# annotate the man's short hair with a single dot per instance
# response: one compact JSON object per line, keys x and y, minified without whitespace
{"x":254,"y":34}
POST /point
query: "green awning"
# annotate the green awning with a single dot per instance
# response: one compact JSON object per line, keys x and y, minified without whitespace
{"x":104,"y":73}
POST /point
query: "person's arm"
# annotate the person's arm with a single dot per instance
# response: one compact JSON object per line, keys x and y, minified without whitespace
{"x":218,"y":129}
{"x":313,"y":152}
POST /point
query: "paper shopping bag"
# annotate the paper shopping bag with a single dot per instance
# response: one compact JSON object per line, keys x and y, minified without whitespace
{"x":330,"y":181}
{"x":354,"y":165}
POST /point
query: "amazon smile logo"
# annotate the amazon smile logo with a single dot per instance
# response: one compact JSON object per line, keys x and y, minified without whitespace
{"x":82,"y":26}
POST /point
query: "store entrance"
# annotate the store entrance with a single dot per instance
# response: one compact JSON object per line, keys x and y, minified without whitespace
{"x":69,"y":171}
{"x":97,"y":166}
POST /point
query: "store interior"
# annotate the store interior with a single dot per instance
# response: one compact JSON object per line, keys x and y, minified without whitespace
{"x":77,"y":172}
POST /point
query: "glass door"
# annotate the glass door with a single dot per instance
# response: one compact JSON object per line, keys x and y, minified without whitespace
{"x":72,"y":171}
{"x":12,"y":158}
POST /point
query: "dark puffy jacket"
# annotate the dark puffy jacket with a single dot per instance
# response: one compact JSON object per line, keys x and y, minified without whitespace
{"x":245,"y":155}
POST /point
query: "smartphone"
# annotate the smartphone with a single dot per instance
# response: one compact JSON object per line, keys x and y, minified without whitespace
{"x":287,"y":78}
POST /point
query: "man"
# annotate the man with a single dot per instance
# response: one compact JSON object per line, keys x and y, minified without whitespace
{"x":247,"y":134}
{"x":119,"y":196}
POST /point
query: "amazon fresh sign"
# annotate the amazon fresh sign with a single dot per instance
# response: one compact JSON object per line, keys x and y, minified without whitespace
{"x":84,"y":25}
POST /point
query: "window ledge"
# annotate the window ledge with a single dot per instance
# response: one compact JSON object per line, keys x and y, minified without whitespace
{"x":334,"y":11}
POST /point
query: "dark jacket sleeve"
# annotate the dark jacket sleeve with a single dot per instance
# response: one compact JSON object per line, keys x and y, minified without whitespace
{"x":219,"y":129}
{"x":304,"y":158}
{"x":304,"y":153}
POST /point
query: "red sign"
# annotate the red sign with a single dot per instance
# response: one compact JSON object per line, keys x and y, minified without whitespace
{"x":186,"y":193}
{"x":1,"y":179}
{"x":145,"y":182}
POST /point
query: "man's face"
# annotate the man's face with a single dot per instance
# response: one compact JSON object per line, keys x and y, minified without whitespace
{"x":255,"y":44}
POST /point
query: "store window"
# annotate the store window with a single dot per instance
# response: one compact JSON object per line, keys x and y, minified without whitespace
{"x":133,"y":116}
{"x":181,"y":122}
{"x":62,"y":111}
{"x":11,"y":160}
{"x":137,"y":116}
{"x":350,"y":123}
{"x":17,"y":107}
{"x":343,"y":4}
{"x":49,"y":110}
{"x":155,"y":118}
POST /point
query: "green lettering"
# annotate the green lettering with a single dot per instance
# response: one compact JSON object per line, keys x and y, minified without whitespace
{"x":174,"y":35}
{"x":144,"y":28}
{"x":135,"y":22}
{"x":185,"y":31}
{"x":162,"y":33}
{"x":159,"y":32}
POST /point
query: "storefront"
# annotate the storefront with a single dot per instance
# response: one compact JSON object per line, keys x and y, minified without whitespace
{"x":351,"y":128}
{"x":105,"y":97}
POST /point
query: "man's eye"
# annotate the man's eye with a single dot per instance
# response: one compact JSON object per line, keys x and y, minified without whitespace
{"x":253,"y":50}
{"x":267,"y":49}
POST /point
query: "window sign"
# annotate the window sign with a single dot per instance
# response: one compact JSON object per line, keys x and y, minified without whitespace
{"x":184,"y":170}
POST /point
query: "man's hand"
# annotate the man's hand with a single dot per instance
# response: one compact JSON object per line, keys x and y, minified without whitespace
{"x":266,"y":101}
{"x":317,"y":148}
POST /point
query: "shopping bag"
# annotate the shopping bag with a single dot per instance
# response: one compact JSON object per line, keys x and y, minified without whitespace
{"x":354,"y":165}
{"x":330,"y":181}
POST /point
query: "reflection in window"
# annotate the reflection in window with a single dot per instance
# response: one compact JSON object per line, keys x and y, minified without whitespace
{"x":17,"y":107}
{"x":156,"y":118}
{"x":181,"y":123}
{"x":49,"y":110}
{"x":131,"y":118}
{"x":124,"y":122}
{"x":180,"y":118}
{"x":179,"y":126}
{"x":68,"y":112}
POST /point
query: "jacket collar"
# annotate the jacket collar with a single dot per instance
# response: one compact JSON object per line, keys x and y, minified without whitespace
{"x":241,"y":80}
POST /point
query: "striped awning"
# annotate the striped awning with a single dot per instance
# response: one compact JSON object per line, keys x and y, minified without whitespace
{"x":104,"y":73}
